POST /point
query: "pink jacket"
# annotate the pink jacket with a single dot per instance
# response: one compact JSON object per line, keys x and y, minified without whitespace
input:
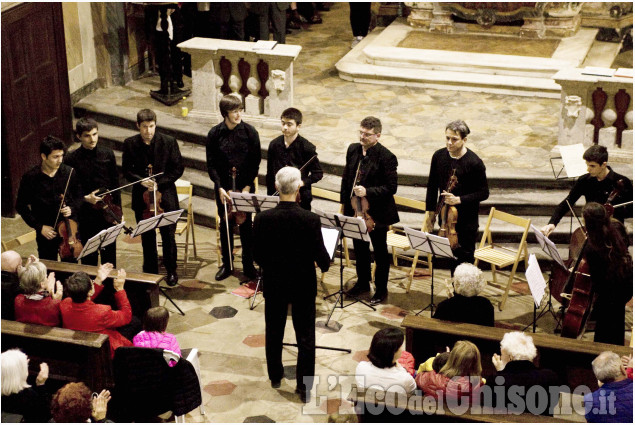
{"x":162,"y":340}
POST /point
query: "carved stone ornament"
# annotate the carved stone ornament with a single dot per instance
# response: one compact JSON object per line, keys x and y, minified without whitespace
{"x":278,"y":77}
{"x":486,"y":17}
{"x":573,"y":104}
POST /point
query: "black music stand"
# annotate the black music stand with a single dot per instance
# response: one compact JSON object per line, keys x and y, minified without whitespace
{"x":253,"y":203}
{"x":101,"y":240}
{"x":428,"y":243}
{"x":153,"y":223}
{"x":351,"y":227}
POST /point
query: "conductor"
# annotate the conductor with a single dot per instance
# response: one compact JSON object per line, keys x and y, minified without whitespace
{"x":288,"y":241}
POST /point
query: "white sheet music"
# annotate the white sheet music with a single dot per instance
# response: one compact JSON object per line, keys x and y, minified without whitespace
{"x":548,"y":246}
{"x":330,"y":237}
{"x":535,"y":280}
{"x":574,"y":165}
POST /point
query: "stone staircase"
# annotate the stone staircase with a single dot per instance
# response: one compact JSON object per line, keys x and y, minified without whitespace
{"x":509,"y":191}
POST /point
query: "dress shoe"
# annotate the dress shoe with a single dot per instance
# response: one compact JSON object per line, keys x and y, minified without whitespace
{"x":358,"y":289}
{"x":180,"y":84}
{"x":275,"y":384}
{"x":173,"y":279}
{"x":223,"y":273}
{"x":293,"y":25}
{"x":305,"y":396}
{"x":378,"y":298}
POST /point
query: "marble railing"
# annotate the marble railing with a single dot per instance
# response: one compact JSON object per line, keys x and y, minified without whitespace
{"x":262,"y":78}
{"x":597,"y":110}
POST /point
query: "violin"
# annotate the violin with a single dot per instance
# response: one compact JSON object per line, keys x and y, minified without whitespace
{"x":112,"y":212}
{"x":449,"y":215}
{"x":360,"y":203}
{"x":152,"y":199}
{"x":238,"y":216}
{"x":70,"y":245}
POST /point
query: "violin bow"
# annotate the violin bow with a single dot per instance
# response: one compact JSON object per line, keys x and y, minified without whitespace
{"x":130,"y":184}
{"x":576,"y":217}
{"x":277,"y":192}
{"x":63,"y":198}
{"x":356,"y":176}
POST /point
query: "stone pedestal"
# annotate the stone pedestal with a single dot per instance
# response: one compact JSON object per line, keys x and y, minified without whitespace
{"x":420,"y":14}
{"x":272,"y":69}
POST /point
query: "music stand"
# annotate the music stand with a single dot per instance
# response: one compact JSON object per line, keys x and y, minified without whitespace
{"x":351,"y":227}
{"x":101,"y":240}
{"x":152,"y":223}
{"x":428,"y":243}
{"x":253,"y":203}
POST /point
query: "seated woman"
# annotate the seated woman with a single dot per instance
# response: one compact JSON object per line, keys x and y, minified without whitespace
{"x":467,"y":306}
{"x":74,"y":403}
{"x":154,"y":335}
{"x":40,"y":301}
{"x":383,"y":370}
{"x":459,"y":377}
{"x":18,"y":397}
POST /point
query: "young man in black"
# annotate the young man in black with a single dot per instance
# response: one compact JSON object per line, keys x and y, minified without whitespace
{"x":595,"y":186}
{"x":96,"y":169}
{"x":377,"y":181}
{"x":233,"y":144}
{"x":39,"y":197}
{"x":468,"y":193}
{"x":150,"y":147}
{"x":293,"y":150}
{"x":288,"y":244}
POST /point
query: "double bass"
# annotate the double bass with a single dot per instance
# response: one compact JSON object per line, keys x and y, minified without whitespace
{"x":360,"y":203}
{"x":448,"y":215}
{"x":67,"y":228}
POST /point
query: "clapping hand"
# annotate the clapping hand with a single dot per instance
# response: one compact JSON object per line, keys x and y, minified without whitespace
{"x":103,"y":272}
{"x":119,"y":280}
{"x":100,"y":405}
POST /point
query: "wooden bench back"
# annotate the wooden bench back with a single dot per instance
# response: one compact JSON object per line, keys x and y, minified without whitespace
{"x":71,"y":355}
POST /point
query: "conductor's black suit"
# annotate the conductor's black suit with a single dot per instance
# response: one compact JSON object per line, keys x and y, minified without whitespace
{"x":288,"y":241}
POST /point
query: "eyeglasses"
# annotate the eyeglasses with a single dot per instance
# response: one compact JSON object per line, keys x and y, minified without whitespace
{"x":366,"y":135}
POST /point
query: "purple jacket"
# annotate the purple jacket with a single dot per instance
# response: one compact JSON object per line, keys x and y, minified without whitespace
{"x":162,"y":340}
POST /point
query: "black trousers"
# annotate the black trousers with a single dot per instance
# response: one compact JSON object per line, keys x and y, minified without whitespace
{"x":467,"y":232}
{"x":92,"y":222}
{"x":610,"y":315}
{"x":360,"y":18}
{"x":246,"y":238}
{"x":170,"y":68}
{"x":303,"y":317}
{"x":47,"y":249}
{"x":382,"y":258}
{"x":149,"y":244}
{"x":278,"y":21}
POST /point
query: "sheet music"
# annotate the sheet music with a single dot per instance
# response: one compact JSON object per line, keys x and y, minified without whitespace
{"x":252,"y":202}
{"x":548,"y":246}
{"x":535,"y":280}
{"x":574,"y":165}
{"x":352,"y":227}
{"x":428,"y":243}
{"x":330,"y":237}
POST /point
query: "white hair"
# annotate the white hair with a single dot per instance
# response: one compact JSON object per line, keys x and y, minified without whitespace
{"x":519,"y":346}
{"x":288,"y":180}
{"x":607,"y":367}
{"x":15,"y":370}
{"x":468,"y":280}
{"x":31,"y":278}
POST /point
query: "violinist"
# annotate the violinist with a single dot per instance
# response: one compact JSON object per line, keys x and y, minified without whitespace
{"x":150,"y":147}
{"x":96,"y":169}
{"x":233,"y":144}
{"x":371,"y":172}
{"x":611,"y":270}
{"x":39,"y":196}
{"x":595,"y":186}
{"x":291,"y":149}
{"x":470,"y":189}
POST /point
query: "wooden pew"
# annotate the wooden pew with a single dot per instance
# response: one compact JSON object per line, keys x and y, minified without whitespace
{"x":142,"y":288}
{"x":569,"y":358}
{"x":413,"y":408}
{"x":71,"y":355}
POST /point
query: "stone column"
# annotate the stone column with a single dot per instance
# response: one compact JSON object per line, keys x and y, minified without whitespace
{"x":442,"y":19}
{"x":563,"y":18}
{"x":420,"y":14}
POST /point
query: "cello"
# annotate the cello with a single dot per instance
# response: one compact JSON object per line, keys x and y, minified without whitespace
{"x":360,"y":203}
{"x":70,"y":245}
{"x":448,"y":215}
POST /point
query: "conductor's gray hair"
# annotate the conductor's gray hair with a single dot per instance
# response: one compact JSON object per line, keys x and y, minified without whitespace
{"x":288,"y":180}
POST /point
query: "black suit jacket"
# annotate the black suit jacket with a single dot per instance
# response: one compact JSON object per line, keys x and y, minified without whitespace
{"x":288,"y":240}
{"x":380,"y":181}
{"x":224,"y":11}
{"x":167,"y":159}
{"x":476,"y":310}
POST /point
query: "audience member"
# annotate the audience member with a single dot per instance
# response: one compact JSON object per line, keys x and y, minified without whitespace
{"x":18,"y":397}
{"x":274,"y":13}
{"x":74,"y":403}
{"x":467,"y":306}
{"x":40,"y":302}
{"x":613,"y":401}
{"x":80,"y":313}
{"x":383,"y":370}
{"x":154,"y":335}
{"x":627,"y":362}
{"x":11,"y":264}
{"x":516,"y":369}
{"x":460,"y":376}
{"x":435,"y":363}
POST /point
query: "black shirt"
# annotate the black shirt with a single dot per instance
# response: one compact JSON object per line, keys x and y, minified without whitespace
{"x":238,"y":148}
{"x":296,"y":155}
{"x":594,"y":190}
{"x":38,"y":199}
{"x":96,"y":168}
{"x":472,"y":182}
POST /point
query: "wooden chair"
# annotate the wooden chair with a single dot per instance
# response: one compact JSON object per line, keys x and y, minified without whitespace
{"x":500,"y":256}
{"x":20,"y":240}
{"x":397,"y":240}
{"x":186,"y":224}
